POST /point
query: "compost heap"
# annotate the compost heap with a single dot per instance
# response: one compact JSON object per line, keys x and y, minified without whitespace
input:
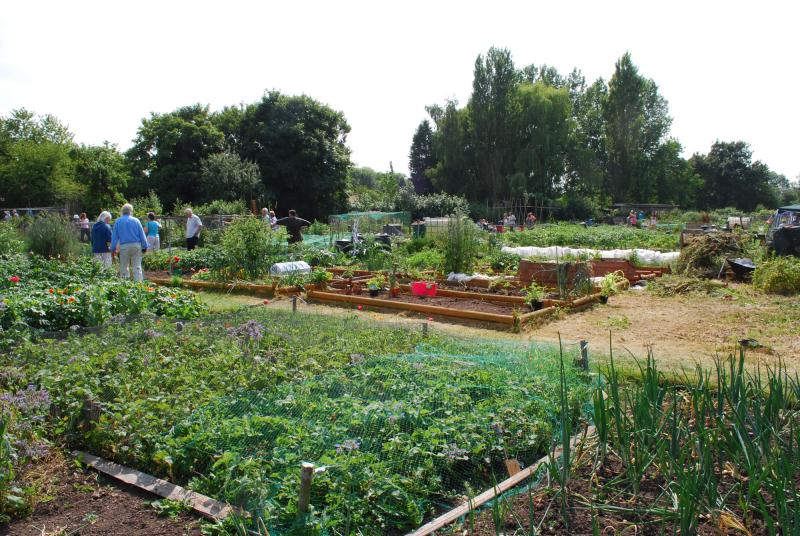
{"x":704,"y":255}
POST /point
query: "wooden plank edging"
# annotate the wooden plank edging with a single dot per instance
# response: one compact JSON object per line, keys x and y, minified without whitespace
{"x":462,"y":510}
{"x":416,"y":307}
{"x":474,"y":295}
{"x":205,"y":506}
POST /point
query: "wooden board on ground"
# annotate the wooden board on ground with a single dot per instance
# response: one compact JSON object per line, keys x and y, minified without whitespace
{"x":205,"y":506}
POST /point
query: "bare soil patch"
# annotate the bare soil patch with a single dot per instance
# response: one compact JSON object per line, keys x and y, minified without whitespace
{"x":78,"y":501}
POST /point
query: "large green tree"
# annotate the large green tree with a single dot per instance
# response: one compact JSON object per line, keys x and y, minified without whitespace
{"x":636,"y":124}
{"x":103,"y":174}
{"x":421,"y":158}
{"x":731,"y":178}
{"x":492,"y":112}
{"x":168,"y":150}
{"x":544,"y":128}
{"x":299,"y":146}
{"x":35,"y":164}
{"x":226,"y":176}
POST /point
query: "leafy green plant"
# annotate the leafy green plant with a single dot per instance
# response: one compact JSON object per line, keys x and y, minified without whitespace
{"x":320,"y":277}
{"x":52,"y":236}
{"x":250,"y":245}
{"x":779,"y":275}
{"x":534,"y":292}
{"x":610,"y":283}
{"x":460,"y":246}
{"x":170,"y":508}
{"x":11,"y":241}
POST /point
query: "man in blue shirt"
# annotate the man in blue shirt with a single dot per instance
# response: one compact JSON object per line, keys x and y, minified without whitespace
{"x":129,"y":240}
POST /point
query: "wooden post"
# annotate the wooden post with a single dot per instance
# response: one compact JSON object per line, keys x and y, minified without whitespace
{"x":425,"y":330}
{"x":585,"y":354}
{"x":294,"y":304}
{"x":306,"y":475}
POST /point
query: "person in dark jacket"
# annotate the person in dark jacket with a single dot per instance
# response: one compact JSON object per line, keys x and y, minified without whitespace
{"x":101,"y":238}
{"x":293,"y":225}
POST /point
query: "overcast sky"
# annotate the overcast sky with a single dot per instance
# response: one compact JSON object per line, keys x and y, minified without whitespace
{"x":728,"y":69}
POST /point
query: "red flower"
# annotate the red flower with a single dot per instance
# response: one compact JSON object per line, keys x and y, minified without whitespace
{"x":360,"y":307}
{"x":71,"y":299}
{"x":52,"y":291}
{"x":176,"y":259}
{"x":14,"y":279}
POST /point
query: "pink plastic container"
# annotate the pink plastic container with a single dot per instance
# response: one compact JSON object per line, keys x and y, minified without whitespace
{"x":423,"y":288}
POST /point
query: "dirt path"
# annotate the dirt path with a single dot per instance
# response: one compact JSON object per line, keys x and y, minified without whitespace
{"x":682,"y":331}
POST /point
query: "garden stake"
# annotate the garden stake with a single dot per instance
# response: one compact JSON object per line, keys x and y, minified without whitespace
{"x":306,"y":475}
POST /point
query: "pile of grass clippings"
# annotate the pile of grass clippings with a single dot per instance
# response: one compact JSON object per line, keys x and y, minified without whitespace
{"x":704,"y":255}
{"x":682,"y":285}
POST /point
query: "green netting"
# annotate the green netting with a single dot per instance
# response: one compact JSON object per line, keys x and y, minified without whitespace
{"x":397,"y":439}
{"x":404,"y":217}
{"x":320,"y":241}
{"x":341,"y":225}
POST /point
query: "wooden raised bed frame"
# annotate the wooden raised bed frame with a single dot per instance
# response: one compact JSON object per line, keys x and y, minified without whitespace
{"x":509,"y":320}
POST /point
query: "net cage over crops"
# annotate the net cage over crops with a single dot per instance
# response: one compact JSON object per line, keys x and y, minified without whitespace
{"x":341,"y":225}
{"x":395,"y":439}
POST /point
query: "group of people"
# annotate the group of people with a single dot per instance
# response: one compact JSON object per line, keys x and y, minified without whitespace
{"x":635,"y":219}
{"x":8,"y":215}
{"x":130,"y":239}
{"x":507,"y":222}
{"x":292,"y":222}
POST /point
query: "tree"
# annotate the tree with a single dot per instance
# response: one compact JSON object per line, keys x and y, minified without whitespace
{"x":453,"y":172}
{"x":731,"y":179}
{"x":103,"y":174}
{"x":420,"y":157}
{"x":226,"y":176}
{"x":544,"y":128}
{"x":35,"y":164}
{"x":492,"y":112}
{"x":168,"y":151}
{"x":636,"y":123}
{"x":299,"y":146}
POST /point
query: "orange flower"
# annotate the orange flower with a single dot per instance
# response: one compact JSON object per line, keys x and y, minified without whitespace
{"x":71,"y":299}
{"x":52,"y":291}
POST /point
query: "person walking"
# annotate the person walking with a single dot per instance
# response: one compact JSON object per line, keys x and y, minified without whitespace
{"x":151,"y":232}
{"x":193,"y":226}
{"x":293,"y":225}
{"x":273,"y":221}
{"x":129,"y":240}
{"x":101,"y":238}
{"x":84,"y":223}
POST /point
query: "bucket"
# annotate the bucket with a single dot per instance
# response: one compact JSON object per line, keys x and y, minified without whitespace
{"x":423,"y":288}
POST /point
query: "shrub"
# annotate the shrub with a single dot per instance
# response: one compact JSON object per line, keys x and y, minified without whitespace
{"x":460,"y":249}
{"x":424,"y":260}
{"x":218,"y":206}
{"x":52,"y":236}
{"x":319,"y":228}
{"x":10,"y":239}
{"x":780,"y":275}
{"x":147,"y":203}
{"x":250,"y":245}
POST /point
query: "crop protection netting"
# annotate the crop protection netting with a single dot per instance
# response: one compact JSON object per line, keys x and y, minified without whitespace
{"x":394,"y":439}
